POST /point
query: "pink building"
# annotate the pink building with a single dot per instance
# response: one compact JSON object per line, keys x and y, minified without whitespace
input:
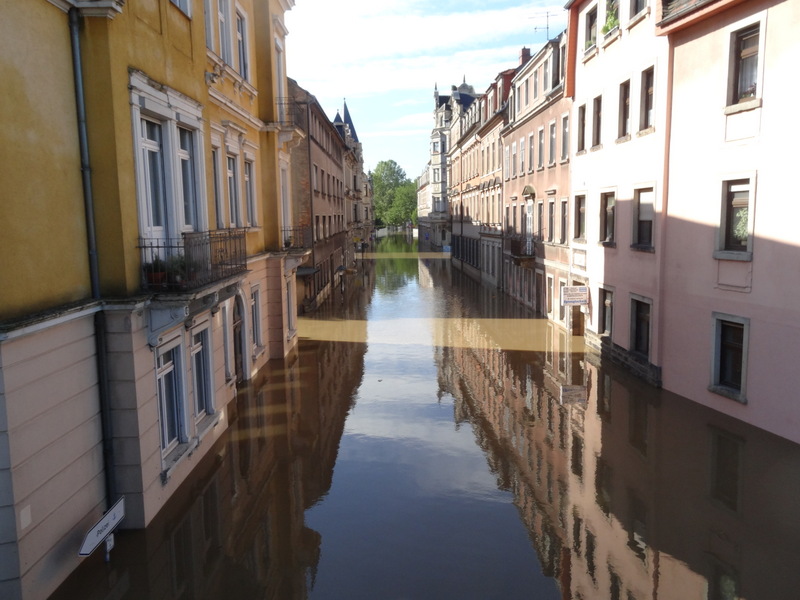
{"x":730,"y":314}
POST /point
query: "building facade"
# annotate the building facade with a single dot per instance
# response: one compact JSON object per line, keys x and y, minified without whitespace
{"x":154,"y":284}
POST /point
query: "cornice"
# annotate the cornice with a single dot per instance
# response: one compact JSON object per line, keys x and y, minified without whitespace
{"x":91,"y":8}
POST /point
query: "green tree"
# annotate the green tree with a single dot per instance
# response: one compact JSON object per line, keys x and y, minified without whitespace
{"x":394,"y":194}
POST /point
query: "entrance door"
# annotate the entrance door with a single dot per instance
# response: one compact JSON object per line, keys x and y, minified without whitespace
{"x":577,"y":321}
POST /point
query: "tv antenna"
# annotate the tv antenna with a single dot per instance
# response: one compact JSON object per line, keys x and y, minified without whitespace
{"x":546,"y":27}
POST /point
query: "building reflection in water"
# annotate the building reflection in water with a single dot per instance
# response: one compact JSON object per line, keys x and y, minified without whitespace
{"x":628,"y":492}
{"x":237,"y":530}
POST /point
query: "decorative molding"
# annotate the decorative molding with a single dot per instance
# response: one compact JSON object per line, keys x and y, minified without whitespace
{"x":91,"y":8}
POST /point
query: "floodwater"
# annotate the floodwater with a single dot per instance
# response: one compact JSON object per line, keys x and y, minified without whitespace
{"x":434,"y":440}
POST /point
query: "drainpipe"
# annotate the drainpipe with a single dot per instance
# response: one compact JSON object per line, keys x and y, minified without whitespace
{"x":94,"y":271}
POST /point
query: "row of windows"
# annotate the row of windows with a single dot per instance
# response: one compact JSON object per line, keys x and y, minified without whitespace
{"x":646,"y":115}
{"x":536,"y":149}
{"x":231,"y":29}
{"x":730,"y":334}
{"x":643,"y":217}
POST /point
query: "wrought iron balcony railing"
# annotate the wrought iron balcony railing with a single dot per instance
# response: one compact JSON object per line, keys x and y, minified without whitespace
{"x":192,"y":260}
{"x":289,"y":113}
{"x":520,"y":245}
{"x":296,"y":237}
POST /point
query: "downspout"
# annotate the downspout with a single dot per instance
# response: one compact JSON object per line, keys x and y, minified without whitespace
{"x":94,"y":271}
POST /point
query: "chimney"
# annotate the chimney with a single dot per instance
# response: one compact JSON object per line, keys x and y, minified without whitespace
{"x":524,"y":56}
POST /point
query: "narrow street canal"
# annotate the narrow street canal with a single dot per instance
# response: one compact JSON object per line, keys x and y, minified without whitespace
{"x":434,"y":440}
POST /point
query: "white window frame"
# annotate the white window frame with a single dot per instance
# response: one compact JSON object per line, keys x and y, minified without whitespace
{"x":178,"y":402}
{"x":552,"y":143}
{"x":225,"y":35}
{"x":256,"y":338}
{"x":564,"y":137}
{"x":185,"y":6}
{"x":715,"y":385}
{"x":172,"y":111}
{"x":208,"y":19}
{"x":540,"y":148}
{"x":522,"y":155}
{"x":639,"y":212}
{"x":249,"y":182}
{"x":232,"y":189}
{"x":242,"y":46}
{"x":202,"y":378}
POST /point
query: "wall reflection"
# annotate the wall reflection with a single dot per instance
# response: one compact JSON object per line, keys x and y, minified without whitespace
{"x":628,"y":492}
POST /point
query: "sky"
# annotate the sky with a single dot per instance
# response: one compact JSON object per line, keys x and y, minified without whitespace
{"x":384,"y":57}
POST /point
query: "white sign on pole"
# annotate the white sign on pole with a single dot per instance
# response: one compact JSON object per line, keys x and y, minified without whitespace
{"x":103,"y":528}
{"x":572,"y":295}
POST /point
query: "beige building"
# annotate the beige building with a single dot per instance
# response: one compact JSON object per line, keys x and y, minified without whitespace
{"x":151,"y":282}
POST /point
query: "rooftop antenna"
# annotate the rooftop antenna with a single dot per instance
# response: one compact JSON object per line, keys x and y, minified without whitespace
{"x":546,"y":28}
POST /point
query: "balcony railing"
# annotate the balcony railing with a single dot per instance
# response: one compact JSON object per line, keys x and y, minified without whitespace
{"x":290,"y":113}
{"x":296,"y":237}
{"x":192,"y":260}
{"x":520,"y":245}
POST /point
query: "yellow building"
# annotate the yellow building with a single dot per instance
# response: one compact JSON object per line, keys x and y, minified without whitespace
{"x":145,"y":191}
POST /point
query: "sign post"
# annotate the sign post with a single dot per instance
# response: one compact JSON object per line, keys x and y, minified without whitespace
{"x":103,"y":530}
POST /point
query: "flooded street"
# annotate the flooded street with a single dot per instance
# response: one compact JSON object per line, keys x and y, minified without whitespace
{"x":434,"y":440}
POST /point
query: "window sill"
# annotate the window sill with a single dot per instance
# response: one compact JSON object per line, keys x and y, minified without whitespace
{"x":645,"y":131}
{"x":743,"y":106}
{"x":639,"y":17}
{"x":727,"y":392}
{"x":596,"y":147}
{"x":623,"y":139}
{"x":206,"y":424}
{"x":734,"y":255}
{"x":551,"y":165}
{"x":540,"y":168}
{"x":590,"y":53}
{"x":612,"y":36}
{"x":609,"y":244}
{"x":578,"y":240}
{"x":580,"y":152}
{"x":643,"y":248}
{"x":175,"y":457}
{"x":564,"y":161}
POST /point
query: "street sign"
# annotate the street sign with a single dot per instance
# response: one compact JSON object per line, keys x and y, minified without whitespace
{"x":575,"y":295}
{"x":103,"y":528}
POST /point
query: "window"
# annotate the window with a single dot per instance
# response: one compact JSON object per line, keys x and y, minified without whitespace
{"x":220,"y":216}
{"x":744,"y":76}
{"x":606,"y":317}
{"x":250,"y":193}
{"x":223,"y":20}
{"x":241,"y":46}
{"x":255,"y":318}
{"x":514,"y":159}
{"x":154,"y":185}
{"x":643,"y":218}
{"x":505,"y":162}
{"x":200,"y":352}
{"x":608,"y":209}
{"x":580,"y":217}
{"x":731,"y":335}
{"x":564,"y":137}
{"x":637,"y":6}
{"x":521,"y":156}
{"x":536,"y":84}
{"x":184,"y":5}
{"x":640,"y":329}
{"x":551,"y":220}
{"x":564,"y":216}
{"x":546,"y":75}
{"x":562,"y":314}
{"x":590,"y":32}
{"x":169,"y":180}
{"x":170,"y":394}
{"x":552,"y":149}
{"x":726,"y":464}
{"x":436,"y":147}
{"x":646,"y":103}
{"x":233,"y":193}
{"x":736,"y":220}
{"x":597,"y":117}
{"x":209,"y":23}
{"x":530,"y":152}
{"x":540,"y":220}
{"x":624,"y":109}
{"x":540,"y":164}
{"x":526,"y":92}
{"x":186,"y":159}
{"x":582,"y":128}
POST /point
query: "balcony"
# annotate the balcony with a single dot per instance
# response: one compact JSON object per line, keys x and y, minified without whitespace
{"x":296,"y":237}
{"x":521,"y":248}
{"x":191,"y":261}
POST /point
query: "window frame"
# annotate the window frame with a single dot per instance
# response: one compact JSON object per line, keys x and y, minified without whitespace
{"x":635,"y":347}
{"x":735,"y":98}
{"x":551,"y":149}
{"x":564,"y":137}
{"x":249,"y":182}
{"x":169,"y":443}
{"x":203,"y":378}
{"x":718,"y":385}
{"x":624,"y":122}
{"x":636,"y":233}
{"x":579,"y":232}
{"x":225,"y":35}
{"x":724,"y":250}
{"x":582,"y":128}
{"x":605,"y":310}
{"x":597,"y":122}
{"x":608,"y":218}
{"x":647,"y":100}
{"x":242,"y":44}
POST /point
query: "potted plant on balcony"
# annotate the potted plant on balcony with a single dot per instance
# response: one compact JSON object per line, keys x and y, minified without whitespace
{"x":612,"y":17}
{"x":155,"y":272}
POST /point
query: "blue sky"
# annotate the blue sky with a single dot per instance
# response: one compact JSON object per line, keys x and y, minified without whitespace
{"x":385,"y":56}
